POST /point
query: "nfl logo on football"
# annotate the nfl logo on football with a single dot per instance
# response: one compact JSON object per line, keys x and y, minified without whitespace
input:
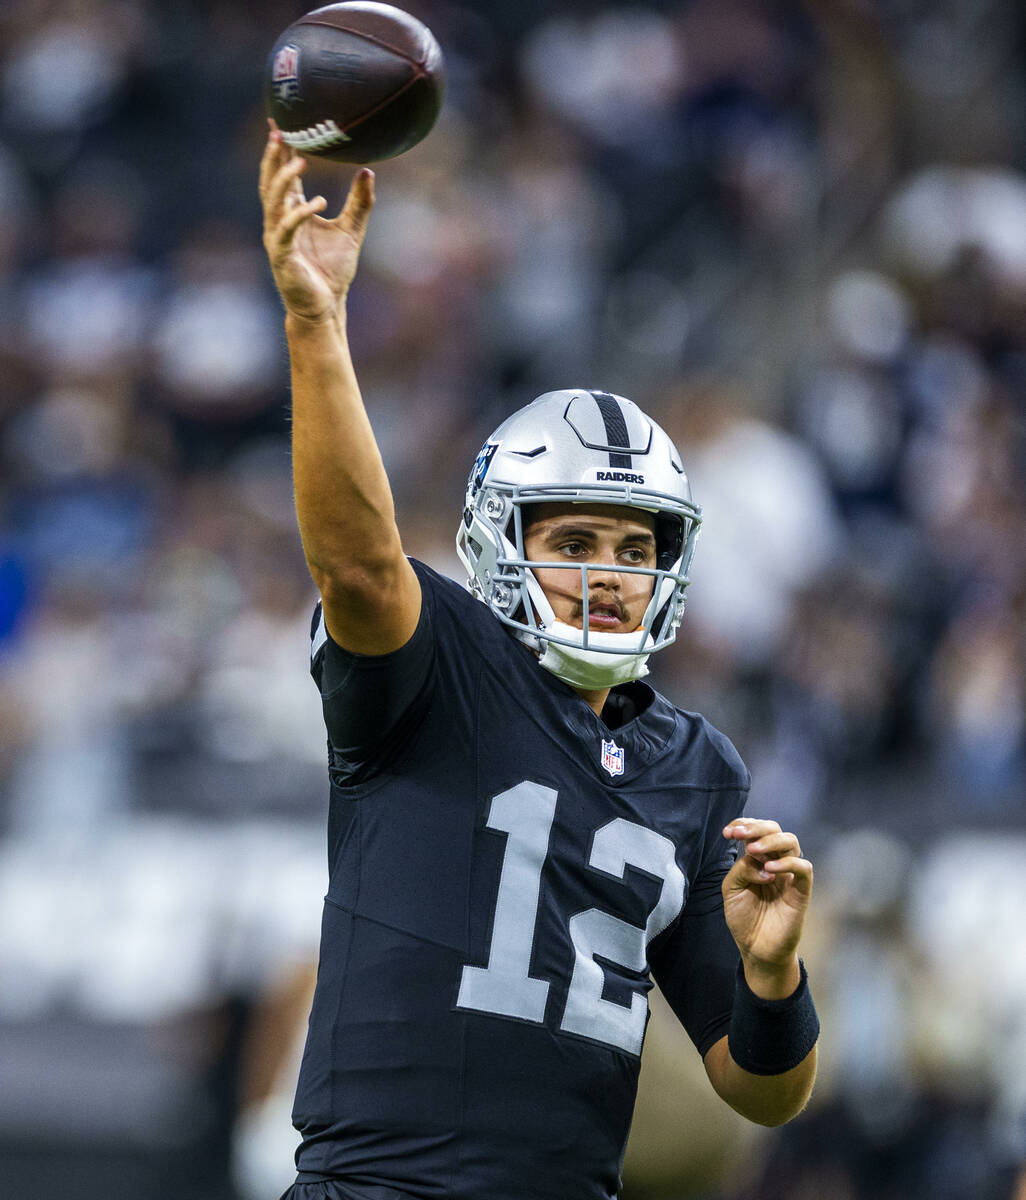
{"x":285,"y":73}
{"x":612,"y":758}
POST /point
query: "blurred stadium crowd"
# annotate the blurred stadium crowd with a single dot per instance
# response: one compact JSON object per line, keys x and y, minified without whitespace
{"x":794,"y":231}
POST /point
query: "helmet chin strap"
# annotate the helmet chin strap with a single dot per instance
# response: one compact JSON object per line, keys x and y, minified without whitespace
{"x":592,"y":669}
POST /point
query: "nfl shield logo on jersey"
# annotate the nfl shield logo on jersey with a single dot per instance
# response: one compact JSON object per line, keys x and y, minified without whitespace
{"x":612,"y":757}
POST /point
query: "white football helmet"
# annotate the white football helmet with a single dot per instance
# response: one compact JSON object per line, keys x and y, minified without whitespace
{"x":583,"y":447}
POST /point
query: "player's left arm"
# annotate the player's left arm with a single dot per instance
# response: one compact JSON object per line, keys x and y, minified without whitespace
{"x":773,"y":1026}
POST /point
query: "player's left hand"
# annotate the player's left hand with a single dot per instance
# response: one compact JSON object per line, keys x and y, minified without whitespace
{"x":766,"y":895}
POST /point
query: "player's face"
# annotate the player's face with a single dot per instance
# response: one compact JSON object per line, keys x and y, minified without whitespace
{"x":602,"y":534}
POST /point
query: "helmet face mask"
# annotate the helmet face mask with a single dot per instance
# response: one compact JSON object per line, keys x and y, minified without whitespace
{"x":577,"y":447}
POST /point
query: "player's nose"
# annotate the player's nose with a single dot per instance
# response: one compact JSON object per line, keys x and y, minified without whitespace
{"x":604,"y":574}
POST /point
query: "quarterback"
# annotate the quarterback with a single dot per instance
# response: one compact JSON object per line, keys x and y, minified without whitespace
{"x":523,"y":835}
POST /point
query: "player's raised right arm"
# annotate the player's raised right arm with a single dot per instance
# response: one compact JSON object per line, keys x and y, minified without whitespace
{"x":343,"y":500}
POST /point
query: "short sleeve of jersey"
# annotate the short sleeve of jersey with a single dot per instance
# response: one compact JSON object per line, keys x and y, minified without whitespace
{"x":371,"y":703}
{"x":695,"y":962}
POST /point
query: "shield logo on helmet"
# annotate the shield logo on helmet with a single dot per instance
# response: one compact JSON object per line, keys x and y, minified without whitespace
{"x":480,"y":468}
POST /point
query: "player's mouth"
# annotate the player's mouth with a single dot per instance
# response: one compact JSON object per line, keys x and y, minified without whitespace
{"x":607,"y":615}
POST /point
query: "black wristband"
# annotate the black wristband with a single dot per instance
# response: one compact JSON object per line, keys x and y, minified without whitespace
{"x":768,"y":1037}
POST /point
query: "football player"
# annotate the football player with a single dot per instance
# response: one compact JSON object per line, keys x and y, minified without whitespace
{"x":522,"y":834}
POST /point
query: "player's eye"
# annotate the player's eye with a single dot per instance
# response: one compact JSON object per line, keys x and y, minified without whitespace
{"x":634,"y":555}
{"x":573,"y":549}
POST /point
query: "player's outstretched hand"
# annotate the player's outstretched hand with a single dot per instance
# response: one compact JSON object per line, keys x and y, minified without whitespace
{"x":313,"y":259}
{"x":766,"y":895}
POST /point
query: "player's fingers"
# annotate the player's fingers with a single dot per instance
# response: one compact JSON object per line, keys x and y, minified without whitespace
{"x":279,"y":186}
{"x":800,"y":869}
{"x":271,"y":158}
{"x":294,"y":194}
{"x":774,"y":845}
{"x":745,"y":873}
{"x":295,"y":217}
{"x":359,"y":203}
{"x":747,"y":829}
{"x":276,"y":154}
{"x":285,"y":149}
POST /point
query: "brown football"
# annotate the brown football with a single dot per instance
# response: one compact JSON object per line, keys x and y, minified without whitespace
{"x":355,"y":82}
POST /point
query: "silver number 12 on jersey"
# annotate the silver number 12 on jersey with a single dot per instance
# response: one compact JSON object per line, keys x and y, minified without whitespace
{"x":504,"y":987}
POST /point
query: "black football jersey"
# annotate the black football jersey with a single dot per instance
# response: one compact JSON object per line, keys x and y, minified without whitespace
{"x":507,"y":875}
